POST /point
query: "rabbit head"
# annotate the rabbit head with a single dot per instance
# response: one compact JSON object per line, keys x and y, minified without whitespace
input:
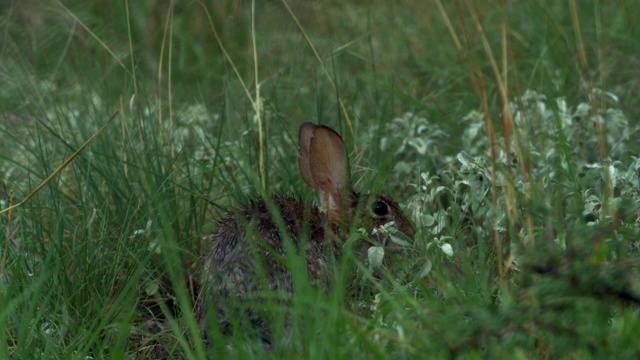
{"x":324,"y":166}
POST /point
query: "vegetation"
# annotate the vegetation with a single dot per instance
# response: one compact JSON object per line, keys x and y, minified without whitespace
{"x":506,"y":129}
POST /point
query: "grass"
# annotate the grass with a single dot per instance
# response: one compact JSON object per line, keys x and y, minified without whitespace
{"x":479,"y":117}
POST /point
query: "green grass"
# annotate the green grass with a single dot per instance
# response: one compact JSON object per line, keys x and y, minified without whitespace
{"x":543,"y":230}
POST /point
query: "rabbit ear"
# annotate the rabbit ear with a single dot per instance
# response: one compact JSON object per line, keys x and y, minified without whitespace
{"x":322,"y":163}
{"x":304,"y":143}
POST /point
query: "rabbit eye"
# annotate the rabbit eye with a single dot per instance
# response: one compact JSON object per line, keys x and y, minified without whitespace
{"x":380,"y":208}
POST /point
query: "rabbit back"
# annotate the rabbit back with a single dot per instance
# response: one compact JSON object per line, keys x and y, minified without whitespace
{"x":250,"y":241}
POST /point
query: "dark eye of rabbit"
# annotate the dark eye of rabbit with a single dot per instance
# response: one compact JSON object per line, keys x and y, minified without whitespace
{"x":380,"y":208}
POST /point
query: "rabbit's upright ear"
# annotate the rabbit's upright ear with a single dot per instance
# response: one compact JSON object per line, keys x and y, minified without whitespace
{"x":305,"y":133}
{"x":323,"y":165}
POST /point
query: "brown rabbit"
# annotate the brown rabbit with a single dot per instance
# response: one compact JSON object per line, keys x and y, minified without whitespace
{"x":249,"y":242}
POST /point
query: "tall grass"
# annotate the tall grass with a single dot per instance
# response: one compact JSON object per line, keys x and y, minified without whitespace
{"x":506,"y":130}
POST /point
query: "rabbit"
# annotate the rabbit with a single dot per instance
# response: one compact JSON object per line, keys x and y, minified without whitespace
{"x":249,"y":240}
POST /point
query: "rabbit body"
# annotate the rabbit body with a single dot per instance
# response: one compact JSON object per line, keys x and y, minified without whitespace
{"x":246,"y":254}
{"x":253,"y":232}
{"x":252,"y":235}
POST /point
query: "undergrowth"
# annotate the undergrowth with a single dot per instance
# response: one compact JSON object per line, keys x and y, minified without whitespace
{"x":506,"y":131}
